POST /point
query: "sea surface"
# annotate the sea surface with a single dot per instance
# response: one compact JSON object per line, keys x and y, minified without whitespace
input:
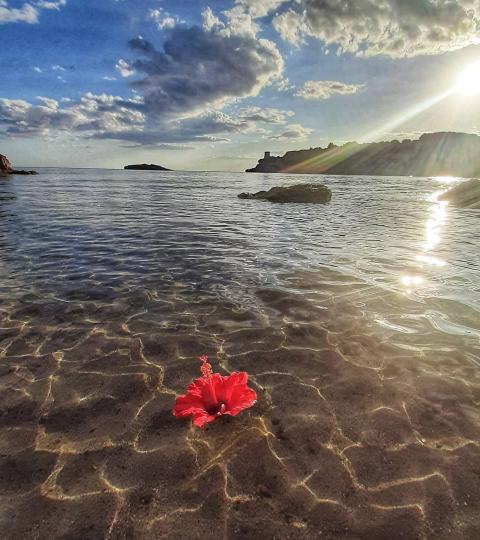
{"x":358,"y":322}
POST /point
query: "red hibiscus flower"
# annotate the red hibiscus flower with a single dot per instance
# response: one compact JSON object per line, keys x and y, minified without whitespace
{"x":213,"y":395}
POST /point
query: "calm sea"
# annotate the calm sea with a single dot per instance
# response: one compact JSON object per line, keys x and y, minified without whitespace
{"x":358,"y":321}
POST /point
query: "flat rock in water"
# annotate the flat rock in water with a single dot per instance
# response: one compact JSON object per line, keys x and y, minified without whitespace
{"x":299,"y":193}
{"x":465,"y":195}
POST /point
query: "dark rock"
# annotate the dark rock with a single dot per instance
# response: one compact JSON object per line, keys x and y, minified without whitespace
{"x":465,"y":195}
{"x":6,"y":167}
{"x":146,"y":167}
{"x":299,"y":193}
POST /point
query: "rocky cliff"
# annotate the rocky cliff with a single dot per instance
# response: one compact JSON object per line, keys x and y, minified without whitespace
{"x":434,"y":154}
{"x":6,"y":167}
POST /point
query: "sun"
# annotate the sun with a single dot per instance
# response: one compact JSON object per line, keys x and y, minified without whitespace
{"x":468,"y":83}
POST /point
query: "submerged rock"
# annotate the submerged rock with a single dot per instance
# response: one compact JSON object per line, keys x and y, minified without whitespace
{"x":146,"y":167}
{"x":6,"y":167}
{"x":299,"y":193}
{"x":465,"y":195}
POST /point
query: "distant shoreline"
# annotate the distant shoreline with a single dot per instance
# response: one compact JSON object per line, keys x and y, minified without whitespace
{"x":433,"y":154}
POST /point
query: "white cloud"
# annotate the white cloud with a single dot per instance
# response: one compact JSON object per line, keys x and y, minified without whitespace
{"x":27,"y":13}
{"x":54,"y":4}
{"x":124,"y":68}
{"x":91,"y":115}
{"x":163,"y":19}
{"x":48,"y":102}
{"x":210,"y":20}
{"x":293,"y":132}
{"x":37,"y":69}
{"x":326,"y":89}
{"x":265,"y":115}
{"x":391,"y":27}
{"x":259,"y":8}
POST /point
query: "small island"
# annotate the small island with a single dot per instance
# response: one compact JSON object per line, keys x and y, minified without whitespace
{"x":146,"y":167}
{"x":433,"y":154}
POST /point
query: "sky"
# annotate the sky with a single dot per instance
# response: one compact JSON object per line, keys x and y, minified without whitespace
{"x":211,"y":85}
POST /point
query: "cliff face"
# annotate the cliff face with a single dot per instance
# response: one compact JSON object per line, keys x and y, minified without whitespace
{"x":434,"y":154}
{"x":6,"y":167}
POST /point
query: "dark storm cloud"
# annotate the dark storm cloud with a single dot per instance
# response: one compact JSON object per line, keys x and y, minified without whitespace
{"x":200,"y":68}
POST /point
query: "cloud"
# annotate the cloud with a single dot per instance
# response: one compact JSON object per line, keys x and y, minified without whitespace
{"x":161,"y":146}
{"x":28,"y":13}
{"x":55,"y":4}
{"x":163,"y":19}
{"x":112,"y":117}
{"x":124,"y":68}
{"x":326,"y":89}
{"x":181,"y":87}
{"x":394,"y":28}
{"x":293,"y":132}
{"x":200,"y":68}
{"x":259,"y":8}
{"x":209,"y":126}
{"x":266,"y":115}
{"x":91,"y":114}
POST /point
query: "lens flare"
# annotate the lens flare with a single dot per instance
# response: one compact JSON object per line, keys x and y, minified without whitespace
{"x":468,"y":83}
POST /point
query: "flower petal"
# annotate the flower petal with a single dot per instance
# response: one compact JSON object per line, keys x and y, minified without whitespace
{"x":242,"y":398}
{"x":202,"y":418}
{"x":209,"y":390}
{"x":187,"y":405}
{"x":227,"y":385}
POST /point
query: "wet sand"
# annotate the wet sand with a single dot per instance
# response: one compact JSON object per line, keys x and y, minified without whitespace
{"x":361,"y":431}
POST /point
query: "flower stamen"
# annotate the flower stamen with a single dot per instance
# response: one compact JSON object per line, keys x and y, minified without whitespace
{"x":205,"y":368}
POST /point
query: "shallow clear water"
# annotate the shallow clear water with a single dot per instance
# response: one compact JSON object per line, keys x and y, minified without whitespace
{"x":359,"y":322}
{"x":114,"y":231}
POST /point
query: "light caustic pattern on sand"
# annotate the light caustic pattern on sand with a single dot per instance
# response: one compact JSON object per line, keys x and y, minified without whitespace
{"x":360,"y":431}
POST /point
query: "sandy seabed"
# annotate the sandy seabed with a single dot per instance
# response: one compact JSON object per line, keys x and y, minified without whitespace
{"x":361,"y":431}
